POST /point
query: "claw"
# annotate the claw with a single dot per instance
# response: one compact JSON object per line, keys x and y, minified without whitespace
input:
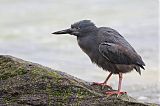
{"x":109,"y":93}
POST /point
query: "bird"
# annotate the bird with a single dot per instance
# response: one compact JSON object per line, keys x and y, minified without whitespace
{"x":107,"y":48}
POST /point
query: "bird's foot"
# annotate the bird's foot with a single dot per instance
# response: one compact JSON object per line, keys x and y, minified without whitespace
{"x":102,"y":84}
{"x":118,"y":93}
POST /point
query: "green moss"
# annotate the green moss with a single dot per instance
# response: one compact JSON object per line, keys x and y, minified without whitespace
{"x":24,"y":83}
{"x":20,"y":71}
{"x":53,"y":74}
{"x":37,"y":73}
{"x":8,"y":100}
{"x":67,"y":91}
{"x":9,"y":68}
{"x":44,"y":73}
{"x":49,"y":91}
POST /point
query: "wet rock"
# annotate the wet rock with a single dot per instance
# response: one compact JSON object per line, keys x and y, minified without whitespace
{"x":24,"y":83}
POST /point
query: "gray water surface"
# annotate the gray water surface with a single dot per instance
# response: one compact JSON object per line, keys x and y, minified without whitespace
{"x":26,"y":27}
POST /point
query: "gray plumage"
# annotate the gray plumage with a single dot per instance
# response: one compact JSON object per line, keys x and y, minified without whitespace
{"x":105,"y":47}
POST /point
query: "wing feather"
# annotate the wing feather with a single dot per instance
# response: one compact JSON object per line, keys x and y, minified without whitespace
{"x":119,"y":54}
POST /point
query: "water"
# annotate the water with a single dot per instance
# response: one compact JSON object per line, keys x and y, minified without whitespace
{"x":26,"y":27}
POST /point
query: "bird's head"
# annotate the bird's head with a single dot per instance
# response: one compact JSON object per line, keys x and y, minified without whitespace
{"x":79,"y":28}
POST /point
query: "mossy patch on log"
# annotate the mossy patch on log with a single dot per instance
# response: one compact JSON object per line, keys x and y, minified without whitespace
{"x":29,"y":84}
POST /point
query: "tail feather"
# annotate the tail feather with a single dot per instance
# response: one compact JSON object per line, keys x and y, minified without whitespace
{"x":141,"y":64}
{"x":137,"y":68}
{"x":142,"y":67}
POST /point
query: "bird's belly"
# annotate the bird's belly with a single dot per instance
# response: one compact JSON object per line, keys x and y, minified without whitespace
{"x":124,"y":68}
{"x":108,"y":66}
{"x":103,"y":63}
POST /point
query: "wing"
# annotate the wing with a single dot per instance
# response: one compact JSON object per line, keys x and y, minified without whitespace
{"x":110,"y":35}
{"x":119,"y":54}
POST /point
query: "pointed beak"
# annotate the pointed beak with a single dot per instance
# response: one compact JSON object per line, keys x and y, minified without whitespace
{"x":66,"y":31}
